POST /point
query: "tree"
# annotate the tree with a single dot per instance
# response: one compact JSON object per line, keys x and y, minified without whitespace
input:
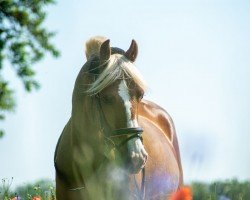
{"x":23,"y":42}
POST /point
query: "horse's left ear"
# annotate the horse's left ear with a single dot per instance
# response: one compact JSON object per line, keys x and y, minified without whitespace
{"x":105,"y":51}
{"x":132,"y":52}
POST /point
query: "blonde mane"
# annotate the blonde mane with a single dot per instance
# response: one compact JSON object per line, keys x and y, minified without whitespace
{"x":118,"y":67}
{"x":92,"y":46}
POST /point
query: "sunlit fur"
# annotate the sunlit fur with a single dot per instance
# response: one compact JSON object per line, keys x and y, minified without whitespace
{"x":118,"y":67}
{"x":92,"y":46}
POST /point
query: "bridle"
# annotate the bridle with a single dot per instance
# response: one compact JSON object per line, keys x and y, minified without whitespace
{"x":109,"y":135}
{"x":129,"y":133}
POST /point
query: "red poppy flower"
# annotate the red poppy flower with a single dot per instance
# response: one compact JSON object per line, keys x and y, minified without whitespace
{"x":183,"y":193}
{"x":37,"y":198}
{"x":16,"y":198}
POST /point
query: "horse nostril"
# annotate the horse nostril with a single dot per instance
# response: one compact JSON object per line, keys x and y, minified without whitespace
{"x":135,"y":158}
{"x":138,"y":161}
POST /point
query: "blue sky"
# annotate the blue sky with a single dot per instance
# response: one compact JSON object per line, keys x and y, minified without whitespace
{"x":194,"y":56}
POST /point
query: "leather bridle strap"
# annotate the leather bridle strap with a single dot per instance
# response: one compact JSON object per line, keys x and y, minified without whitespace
{"x":143,"y":183}
{"x":132,"y":132}
{"x":127,"y":131}
{"x":103,"y":120}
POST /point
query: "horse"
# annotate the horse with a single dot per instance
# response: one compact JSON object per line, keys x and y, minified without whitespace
{"x":116,"y":144}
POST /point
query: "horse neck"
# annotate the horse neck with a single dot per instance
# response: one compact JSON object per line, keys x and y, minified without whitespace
{"x":83,"y":108}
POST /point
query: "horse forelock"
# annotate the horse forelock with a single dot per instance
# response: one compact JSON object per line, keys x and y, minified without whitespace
{"x":118,"y":67}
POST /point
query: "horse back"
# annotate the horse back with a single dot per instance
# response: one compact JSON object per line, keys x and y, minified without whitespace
{"x":159,"y":117}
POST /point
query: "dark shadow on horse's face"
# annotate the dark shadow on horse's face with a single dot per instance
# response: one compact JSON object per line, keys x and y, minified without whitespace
{"x":119,"y":103}
{"x":113,"y":107}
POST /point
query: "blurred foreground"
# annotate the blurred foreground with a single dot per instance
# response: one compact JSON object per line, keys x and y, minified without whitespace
{"x":45,"y":190}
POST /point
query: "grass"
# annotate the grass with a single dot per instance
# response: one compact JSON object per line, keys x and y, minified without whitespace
{"x":45,"y":190}
{"x":39,"y":190}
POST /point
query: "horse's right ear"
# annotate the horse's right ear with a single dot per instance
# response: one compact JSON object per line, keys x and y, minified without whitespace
{"x":105,"y":51}
{"x":132,"y":52}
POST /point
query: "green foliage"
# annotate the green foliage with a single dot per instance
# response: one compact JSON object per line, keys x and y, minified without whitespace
{"x":231,"y":189}
{"x":44,"y":189}
{"x":5,"y":192}
{"x":23,"y":42}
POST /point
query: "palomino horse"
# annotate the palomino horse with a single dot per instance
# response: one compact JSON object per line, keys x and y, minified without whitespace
{"x":116,"y":145}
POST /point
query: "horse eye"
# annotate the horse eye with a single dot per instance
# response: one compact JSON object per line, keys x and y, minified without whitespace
{"x":108,"y":99}
{"x":140,"y":95}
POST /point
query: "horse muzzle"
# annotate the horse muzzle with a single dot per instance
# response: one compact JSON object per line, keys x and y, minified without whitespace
{"x":137,"y":155}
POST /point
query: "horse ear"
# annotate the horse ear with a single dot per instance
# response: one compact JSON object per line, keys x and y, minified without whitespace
{"x":132,"y":52}
{"x":105,"y":51}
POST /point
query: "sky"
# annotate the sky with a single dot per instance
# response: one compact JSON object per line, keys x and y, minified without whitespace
{"x":194,"y":56}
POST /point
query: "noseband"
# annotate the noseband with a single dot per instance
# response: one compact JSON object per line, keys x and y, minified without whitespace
{"x":135,"y":132}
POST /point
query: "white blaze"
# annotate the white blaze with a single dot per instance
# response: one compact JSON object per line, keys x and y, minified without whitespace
{"x":124,"y":94}
{"x":136,"y":149}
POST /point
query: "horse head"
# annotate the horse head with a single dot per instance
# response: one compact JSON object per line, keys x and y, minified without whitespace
{"x":117,"y":89}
